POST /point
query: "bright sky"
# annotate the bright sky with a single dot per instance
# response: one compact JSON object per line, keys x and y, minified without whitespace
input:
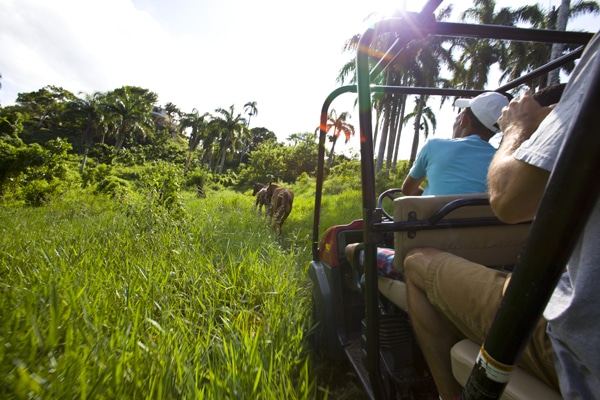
{"x":202,"y":54}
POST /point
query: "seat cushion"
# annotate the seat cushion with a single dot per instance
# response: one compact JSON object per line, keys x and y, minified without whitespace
{"x":394,"y":290}
{"x":522,"y":385}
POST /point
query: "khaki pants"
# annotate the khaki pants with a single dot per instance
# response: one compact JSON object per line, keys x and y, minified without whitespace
{"x":469,"y":294}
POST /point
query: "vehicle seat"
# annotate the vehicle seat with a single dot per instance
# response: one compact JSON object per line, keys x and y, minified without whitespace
{"x":495,"y":246}
{"x":522,"y":385}
{"x":393,"y":290}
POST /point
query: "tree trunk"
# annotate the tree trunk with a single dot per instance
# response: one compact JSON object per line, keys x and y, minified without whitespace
{"x":399,"y":134}
{"x":222,"y":164}
{"x":378,"y":108}
{"x":101,"y":142}
{"x":187,"y":162}
{"x":211,"y":157}
{"x":85,"y":155}
{"x":557,"y":48}
{"x":392,"y":133}
{"x":330,"y":160}
{"x":415,"y":145}
{"x":384,"y":133}
{"x":242,"y":152}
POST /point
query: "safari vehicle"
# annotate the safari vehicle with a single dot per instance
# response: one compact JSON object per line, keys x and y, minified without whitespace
{"x":361,"y":317}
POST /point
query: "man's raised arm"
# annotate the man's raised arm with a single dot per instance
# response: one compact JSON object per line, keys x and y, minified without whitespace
{"x":515,"y":187}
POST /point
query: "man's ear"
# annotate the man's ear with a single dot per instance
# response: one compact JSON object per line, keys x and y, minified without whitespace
{"x":464,"y":120}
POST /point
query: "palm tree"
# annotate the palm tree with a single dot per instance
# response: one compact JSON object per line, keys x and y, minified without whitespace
{"x":199,"y":126}
{"x":230,"y":126}
{"x":339,"y":125}
{"x":523,"y":57}
{"x":478,"y":55}
{"x":425,"y":69}
{"x":174,"y":115}
{"x":210,"y":144}
{"x":557,"y":48}
{"x":562,"y":17}
{"x":132,"y":112}
{"x":420,"y":64}
{"x":384,"y":104}
{"x":423,"y":116}
{"x":88,"y":107}
{"x":250,"y":109}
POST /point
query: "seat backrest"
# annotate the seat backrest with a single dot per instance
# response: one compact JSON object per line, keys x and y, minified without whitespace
{"x":496,"y":245}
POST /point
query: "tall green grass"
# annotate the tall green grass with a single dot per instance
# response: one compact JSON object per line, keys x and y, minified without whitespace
{"x":100,"y":299}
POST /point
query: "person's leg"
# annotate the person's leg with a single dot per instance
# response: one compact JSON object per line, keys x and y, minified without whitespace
{"x":385,"y":261}
{"x":468,"y":296}
{"x":432,"y":331}
{"x":349,"y":251}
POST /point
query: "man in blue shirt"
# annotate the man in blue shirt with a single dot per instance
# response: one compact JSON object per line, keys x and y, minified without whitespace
{"x":452,"y":166}
{"x":459,"y":165}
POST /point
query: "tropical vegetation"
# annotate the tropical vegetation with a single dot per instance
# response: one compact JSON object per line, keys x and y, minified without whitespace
{"x":460,"y":63}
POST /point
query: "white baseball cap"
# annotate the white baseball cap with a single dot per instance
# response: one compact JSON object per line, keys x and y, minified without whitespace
{"x":487,"y":108}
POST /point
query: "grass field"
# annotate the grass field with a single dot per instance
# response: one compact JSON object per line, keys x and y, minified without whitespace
{"x":102,"y":299}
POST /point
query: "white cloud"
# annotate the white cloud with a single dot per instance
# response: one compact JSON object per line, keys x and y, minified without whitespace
{"x":225,"y":55}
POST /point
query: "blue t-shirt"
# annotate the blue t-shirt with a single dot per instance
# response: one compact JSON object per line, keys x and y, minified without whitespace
{"x":454,"y":166}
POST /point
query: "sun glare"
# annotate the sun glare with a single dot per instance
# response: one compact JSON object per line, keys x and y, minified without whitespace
{"x":388,"y":8}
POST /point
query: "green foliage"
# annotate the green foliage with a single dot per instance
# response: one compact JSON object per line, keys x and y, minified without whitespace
{"x":305,"y":181}
{"x":38,"y":192}
{"x":103,"y":153}
{"x":161,"y":293}
{"x":31,"y":172}
{"x":130,"y":108}
{"x":117,"y":127}
{"x":172,"y":152}
{"x":387,"y":179}
{"x":115,"y":187}
{"x":94,"y":175}
{"x":267,"y":164}
{"x":46,"y":105}
{"x":274,"y":162}
{"x":301,"y":157}
{"x":163,"y":183}
{"x":11,"y":124}
{"x":195,"y":181}
{"x":259,"y":135}
{"x":342,"y":177}
{"x":225,"y":180}
{"x":129,"y":157}
{"x":340,"y":209}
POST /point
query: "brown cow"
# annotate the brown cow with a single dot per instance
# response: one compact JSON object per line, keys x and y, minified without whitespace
{"x":256,"y":188}
{"x":260,"y":191}
{"x":281,"y":200}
